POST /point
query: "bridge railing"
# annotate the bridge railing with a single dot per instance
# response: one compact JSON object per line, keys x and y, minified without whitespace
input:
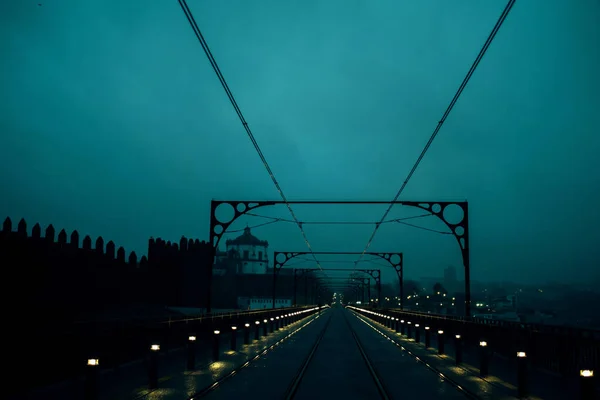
{"x":560,"y":349}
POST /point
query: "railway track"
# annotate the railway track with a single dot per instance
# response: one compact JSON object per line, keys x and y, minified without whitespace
{"x":293,"y":389}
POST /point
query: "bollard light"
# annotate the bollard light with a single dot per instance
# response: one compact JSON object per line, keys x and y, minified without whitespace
{"x":246,"y":325}
{"x":440,"y":332}
{"x":522,"y":378}
{"x":587,"y":384}
{"x":457,"y":350}
{"x":153,"y":367}
{"x":191,"y":353}
{"x":484,"y":361}
{"x":265,"y":321}
{"x":416,"y":325}
{"x":217,"y":332}
{"x":257,"y":322}
{"x":91,"y":384}
{"x":426,"y":328}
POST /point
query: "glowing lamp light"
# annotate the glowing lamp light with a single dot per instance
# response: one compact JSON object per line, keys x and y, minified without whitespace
{"x":265,"y":321}
{"x":155,"y":347}
{"x":271,"y":319}
{"x":192,"y":338}
{"x":246,"y":325}
{"x":457,"y":336}
{"x":426,"y":328}
{"x":276,"y":317}
{"x":416,"y":325}
{"x":234,"y":328}
{"x":440,"y":332}
{"x":521,"y":354}
{"x":217,"y":332}
{"x":93,"y":362}
{"x":586,"y":373}
{"x":483,"y":344}
{"x":257,"y":322}
{"x":402,"y":321}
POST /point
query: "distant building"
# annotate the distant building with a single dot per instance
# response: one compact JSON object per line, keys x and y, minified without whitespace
{"x":251,"y":253}
{"x":261,"y":303}
{"x":450,"y":281}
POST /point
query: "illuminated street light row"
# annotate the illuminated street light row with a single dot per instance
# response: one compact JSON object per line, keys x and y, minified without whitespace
{"x":584,"y":373}
{"x":93,"y":362}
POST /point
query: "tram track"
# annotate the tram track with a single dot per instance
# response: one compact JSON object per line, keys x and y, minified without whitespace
{"x":296,"y":382}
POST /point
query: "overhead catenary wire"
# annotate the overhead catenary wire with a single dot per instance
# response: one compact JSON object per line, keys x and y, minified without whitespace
{"x":213,"y":62}
{"x":462,"y":86}
{"x":339,"y":222}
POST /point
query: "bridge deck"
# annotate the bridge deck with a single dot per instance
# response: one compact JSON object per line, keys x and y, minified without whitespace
{"x":338,"y":370}
{"x":337,"y":354}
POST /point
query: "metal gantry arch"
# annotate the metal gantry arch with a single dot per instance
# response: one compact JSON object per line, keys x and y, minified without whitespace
{"x":396,"y":263}
{"x":299,"y":272}
{"x":374,"y":273}
{"x":459,"y":229}
{"x":355,"y":283}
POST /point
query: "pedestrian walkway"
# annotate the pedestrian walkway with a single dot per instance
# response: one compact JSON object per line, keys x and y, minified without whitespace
{"x":271,"y":375}
{"x":130,"y":382}
{"x":501,"y":381}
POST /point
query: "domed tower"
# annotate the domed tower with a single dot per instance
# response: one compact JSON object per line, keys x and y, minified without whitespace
{"x":252,"y":252}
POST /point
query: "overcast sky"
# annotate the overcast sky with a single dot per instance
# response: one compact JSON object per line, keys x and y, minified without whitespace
{"x":113,"y":123}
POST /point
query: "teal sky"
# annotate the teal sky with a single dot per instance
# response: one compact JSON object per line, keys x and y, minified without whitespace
{"x":113,"y":123}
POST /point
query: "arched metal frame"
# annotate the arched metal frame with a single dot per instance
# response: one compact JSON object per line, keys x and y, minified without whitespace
{"x":375,"y":273}
{"x":363,"y":282}
{"x":460,"y":230}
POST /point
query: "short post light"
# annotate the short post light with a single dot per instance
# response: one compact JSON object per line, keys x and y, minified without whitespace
{"x":440,"y":340}
{"x":483,"y":359}
{"x":234,"y":338}
{"x":427,"y":337}
{"x":257,"y":330}
{"x":457,"y":349}
{"x":417,"y":333}
{"x":522,"y":386}
{"x":246,"y":333}
{"x":587,"y":385}
{"x":216,"y":345}
{"x":153,"y":366}
{"x":191,"y":353}
{"x":91,"y":379}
